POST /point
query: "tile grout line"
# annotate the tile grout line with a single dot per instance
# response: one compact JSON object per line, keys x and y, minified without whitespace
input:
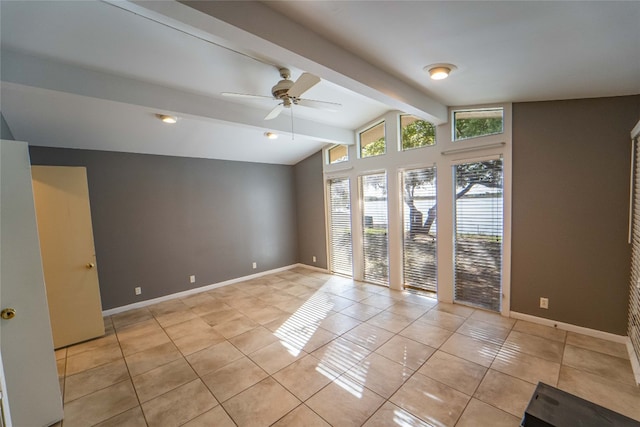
{"x":480,"y":382}
{"x":413,"y":321}
{"x":302,"y":402}
{"x":199,"y":377}
{"x":130,"y":376}
{"x":98,"y":366}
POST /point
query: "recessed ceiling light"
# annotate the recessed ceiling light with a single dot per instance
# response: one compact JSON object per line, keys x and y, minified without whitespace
{"x":439,"y":71}
{"x":167,"y":118}
{"x":271,"y":135}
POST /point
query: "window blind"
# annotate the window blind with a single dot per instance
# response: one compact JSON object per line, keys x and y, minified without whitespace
{"x":340,"y":226}
{"x":634,"y":294}
{"x":419,"y":230}
{"x":373,"y":192}
{"x":478,"y":233}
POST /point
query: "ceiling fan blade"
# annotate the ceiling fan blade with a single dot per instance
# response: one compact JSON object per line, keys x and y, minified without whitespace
{"x":305,"y":82}
{"x":245,"y":95}
{"x":275,"y":112}
{"x":321,"y":105}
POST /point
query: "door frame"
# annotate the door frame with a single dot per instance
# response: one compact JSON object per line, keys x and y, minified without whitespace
{"x":5,"y":413}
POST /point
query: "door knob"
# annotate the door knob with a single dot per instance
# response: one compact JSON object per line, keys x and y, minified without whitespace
{"x":90,"y":265}
{"x":8,"y":313}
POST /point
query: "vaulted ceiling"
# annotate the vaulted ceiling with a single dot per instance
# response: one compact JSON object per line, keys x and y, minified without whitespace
{"x":94,"y":74}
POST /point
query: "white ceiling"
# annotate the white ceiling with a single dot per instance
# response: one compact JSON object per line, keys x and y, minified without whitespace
{"x":92,"y":74}
{"x":504,"y":50}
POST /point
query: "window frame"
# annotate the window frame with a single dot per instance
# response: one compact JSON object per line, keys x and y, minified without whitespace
{"x":328,"y":154}
{"x":493,"y":215}
{"x":368,"y":128}
{"x":328,"y":221}
{"x":401,"y":179}
{"x":401,"y":149}
{"x":472,"y":109}
{"x":447,"y":153}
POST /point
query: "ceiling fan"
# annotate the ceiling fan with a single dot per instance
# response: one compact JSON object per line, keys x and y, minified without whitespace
{"x":289,"y":92}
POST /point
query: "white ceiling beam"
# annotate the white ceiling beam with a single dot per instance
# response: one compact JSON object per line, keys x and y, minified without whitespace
{"x":253,"y":27}
{"x":54,"y":75}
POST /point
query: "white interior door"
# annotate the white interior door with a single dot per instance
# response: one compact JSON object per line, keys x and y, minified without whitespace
{"x":68,"y":255}
{"x":26,"y":344}
{"x":5,"y":413}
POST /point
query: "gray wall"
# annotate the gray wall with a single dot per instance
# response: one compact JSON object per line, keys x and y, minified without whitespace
{"x":570,"y":210}
{"x":159,"y":219}
{"x":310,"y":211}
{"x":5,"y":132}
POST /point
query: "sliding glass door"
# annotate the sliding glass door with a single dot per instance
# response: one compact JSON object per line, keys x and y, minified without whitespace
{"x":478,"y":233}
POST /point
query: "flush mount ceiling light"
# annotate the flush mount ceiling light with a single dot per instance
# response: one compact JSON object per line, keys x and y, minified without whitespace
{"x":167,"y":118}
{"x":271,"y":135}
{"x":439,"y":71}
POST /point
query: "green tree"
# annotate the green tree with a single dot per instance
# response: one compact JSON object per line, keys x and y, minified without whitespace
{"x":374,"y":148}
{"x":420,"y":133}
{"x":468,"y":176}
{"x":416,"y":134}
{"x":472,"y":127}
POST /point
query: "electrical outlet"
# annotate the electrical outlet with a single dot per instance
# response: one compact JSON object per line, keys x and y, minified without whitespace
{"x":138,"y":290}
{"x":255,"y":265}
{"x":314,"y":258}
{"x":544,"y":302}
{"x":192,"y":279}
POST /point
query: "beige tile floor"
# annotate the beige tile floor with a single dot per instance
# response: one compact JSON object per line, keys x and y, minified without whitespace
{"x":303,"y":348}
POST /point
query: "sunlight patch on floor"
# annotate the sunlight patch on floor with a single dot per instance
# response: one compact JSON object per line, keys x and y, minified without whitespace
{"x":402,"y":419}
{"x":338,"y":359}
{"x":298,"y":329}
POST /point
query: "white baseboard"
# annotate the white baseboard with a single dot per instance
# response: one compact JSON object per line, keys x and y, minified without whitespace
{"x":311,"y":267}
{"x":194,"y":291}
{"x":622,"y":339}
{"x":569,"y":327}
{"x":635,"y":363}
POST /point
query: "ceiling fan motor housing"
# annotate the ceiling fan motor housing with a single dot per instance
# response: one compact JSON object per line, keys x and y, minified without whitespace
{"x":289,"y":93}
{"x":280,"y":90}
